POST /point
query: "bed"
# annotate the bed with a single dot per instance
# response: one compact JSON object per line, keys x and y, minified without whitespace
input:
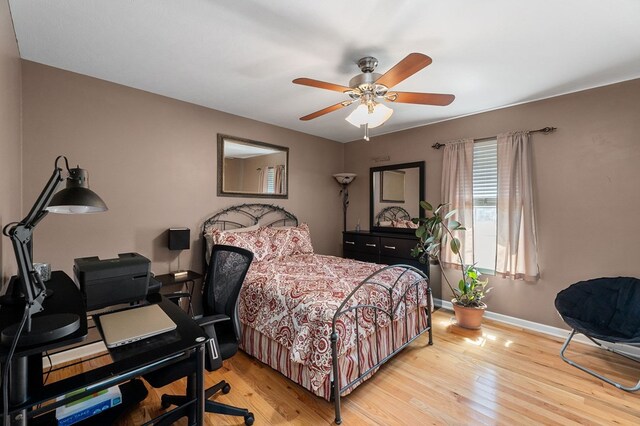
{"x":325,"y":322}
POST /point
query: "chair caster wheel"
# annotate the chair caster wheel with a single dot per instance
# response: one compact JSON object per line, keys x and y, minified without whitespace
{"x":226,"y":389}
{"x":248,"y":419}
{"x":164,"y":404}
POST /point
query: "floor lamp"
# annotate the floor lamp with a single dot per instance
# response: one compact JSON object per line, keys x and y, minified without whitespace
{"x":344,"y":179}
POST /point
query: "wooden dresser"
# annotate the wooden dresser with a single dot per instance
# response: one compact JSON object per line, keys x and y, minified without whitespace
{"x":381,"y":247}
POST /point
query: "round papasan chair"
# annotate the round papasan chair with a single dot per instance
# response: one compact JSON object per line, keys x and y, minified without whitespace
{"x":604,"y":310}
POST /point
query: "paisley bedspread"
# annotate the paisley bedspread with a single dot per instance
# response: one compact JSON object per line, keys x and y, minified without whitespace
{"x":292,"y":300}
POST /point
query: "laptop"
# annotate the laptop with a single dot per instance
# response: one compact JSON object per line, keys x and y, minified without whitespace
{"x":131,"y":325}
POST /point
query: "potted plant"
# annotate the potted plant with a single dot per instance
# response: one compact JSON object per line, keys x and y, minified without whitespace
{"x":434,"y":232}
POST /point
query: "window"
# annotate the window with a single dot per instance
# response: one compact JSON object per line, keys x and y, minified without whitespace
{"x":489,"y":184}
{"x":485,"y":202}
{"x":271,"y":180}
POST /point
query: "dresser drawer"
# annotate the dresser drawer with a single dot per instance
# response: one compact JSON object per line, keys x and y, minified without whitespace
{"x":388,"y":260}
{"x":367,"y":243}
{"x":397,"y":247}
{"x":363,"y":257}
{"x":361,"y":243}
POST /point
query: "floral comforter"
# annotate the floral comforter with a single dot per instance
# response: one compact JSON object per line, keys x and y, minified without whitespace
{"x":293,"y":300}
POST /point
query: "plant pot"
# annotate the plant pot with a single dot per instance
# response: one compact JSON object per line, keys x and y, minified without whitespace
{"x":469,"y":317}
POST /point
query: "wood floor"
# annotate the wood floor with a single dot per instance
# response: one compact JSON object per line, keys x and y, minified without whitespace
{"x":499,"y":375}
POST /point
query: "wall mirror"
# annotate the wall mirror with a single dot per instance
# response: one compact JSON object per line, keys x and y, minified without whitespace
{"x":249,"y":168}
{"x":396,"y":192}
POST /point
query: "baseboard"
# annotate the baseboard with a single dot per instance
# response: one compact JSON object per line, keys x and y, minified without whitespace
{"x":522,"y":323}
{"x":74,"y":354}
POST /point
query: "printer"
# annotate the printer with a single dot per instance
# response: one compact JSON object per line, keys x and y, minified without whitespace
{"x":110,"y":282}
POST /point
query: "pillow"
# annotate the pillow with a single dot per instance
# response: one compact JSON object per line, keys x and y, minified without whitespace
{"x":286,"y":241}
{"x":257,"y":241}
{"x":403,"y":224}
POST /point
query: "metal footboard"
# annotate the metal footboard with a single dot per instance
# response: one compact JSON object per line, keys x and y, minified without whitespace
{"x":390,"y":312}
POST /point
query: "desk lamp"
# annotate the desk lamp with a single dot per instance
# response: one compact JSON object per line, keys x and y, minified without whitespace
{"x":29,"y":288}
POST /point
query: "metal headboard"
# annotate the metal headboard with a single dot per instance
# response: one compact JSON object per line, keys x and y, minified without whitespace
{"x":245,"y":215}
{"x":392,"y":213}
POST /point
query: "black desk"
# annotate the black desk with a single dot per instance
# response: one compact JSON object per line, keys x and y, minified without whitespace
{"x":129,"y":361}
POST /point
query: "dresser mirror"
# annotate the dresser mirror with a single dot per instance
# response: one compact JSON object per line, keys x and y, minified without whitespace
{"x":249,"y":168}
{"x":396,"y":192}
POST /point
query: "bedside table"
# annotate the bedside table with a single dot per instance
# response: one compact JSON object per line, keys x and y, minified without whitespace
{"x":168,"y":280}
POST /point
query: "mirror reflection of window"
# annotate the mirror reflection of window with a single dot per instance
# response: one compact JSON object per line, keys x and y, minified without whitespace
{"x":271,"y":179}
{"x":251,"y":168}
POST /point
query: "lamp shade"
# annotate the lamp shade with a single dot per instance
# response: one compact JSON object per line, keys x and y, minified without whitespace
{"x":358,"y":116}
{"x":179,"y":238}
{"x":76,"y":198}
{"x":361,"y":116}
{"x":344,"y":178}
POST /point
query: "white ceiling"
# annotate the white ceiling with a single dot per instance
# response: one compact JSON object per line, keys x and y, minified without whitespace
{"x":243,"y":150}
{"x":240,"y":56}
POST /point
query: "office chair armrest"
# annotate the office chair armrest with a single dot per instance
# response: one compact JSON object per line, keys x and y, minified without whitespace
{"x":175,"y":296}
{"x":211,"y":319}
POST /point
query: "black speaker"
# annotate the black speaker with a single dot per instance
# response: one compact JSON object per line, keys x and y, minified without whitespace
{"x":179,"y":238}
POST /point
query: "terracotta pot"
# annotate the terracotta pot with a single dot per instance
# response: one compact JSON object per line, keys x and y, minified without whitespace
{"x":469,"y":317}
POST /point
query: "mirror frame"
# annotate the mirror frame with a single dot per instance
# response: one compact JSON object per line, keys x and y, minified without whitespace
{"x":421,"y":168}
{"x":223,"y":193}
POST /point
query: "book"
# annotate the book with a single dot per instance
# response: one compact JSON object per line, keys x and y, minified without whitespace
{"x":88,"y":406}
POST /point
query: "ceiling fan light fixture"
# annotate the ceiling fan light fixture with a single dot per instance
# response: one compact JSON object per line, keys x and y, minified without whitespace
{"x":361,"y":115}
{"x":381,"y":113}
{"x":358,"y":116}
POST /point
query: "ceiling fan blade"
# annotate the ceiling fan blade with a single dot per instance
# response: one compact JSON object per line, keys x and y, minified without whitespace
{"x":321,"y":84}
{"x":439,"y":99}
{"x":326,"y":110}
{"x":410,"y":65}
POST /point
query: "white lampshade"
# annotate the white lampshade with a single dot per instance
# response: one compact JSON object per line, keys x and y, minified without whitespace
{"x":344,"y":178}
{"x":361,"y":116}
{"x":358,"y":116}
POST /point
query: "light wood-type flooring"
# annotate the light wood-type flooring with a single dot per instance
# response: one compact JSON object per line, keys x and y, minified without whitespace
{"x":498,"y":375}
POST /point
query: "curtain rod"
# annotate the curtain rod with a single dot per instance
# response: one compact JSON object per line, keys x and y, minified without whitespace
{"x":545,"y":130}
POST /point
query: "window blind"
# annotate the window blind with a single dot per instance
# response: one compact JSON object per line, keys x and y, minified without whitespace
{"x":485,"y":173}
{"x":271,"y":180}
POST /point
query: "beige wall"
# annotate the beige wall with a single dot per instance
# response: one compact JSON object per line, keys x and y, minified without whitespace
{"x":10,"y":137}
{"x":251,"y":165}
{"x":153,"y":161}
{"x":587,"y":186}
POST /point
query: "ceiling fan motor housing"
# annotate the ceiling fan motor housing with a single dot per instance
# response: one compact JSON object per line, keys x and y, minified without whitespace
{"x":367,"y":64}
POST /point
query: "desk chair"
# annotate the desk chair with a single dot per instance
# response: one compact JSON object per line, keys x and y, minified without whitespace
{"x":227,"y":269}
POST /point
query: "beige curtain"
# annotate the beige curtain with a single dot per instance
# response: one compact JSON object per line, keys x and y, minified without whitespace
{"x":263,"y":179}
{"x":457,"y":191}
{"x":279,"y":179}
{"x":516,"y":255}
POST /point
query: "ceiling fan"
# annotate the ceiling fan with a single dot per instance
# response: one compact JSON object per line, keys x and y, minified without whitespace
{"x":370,"y":89}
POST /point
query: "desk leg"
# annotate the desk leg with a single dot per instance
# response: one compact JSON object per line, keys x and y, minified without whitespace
{"x":193,"y":284}
{"x":200,"y":385}
{"x":18,"y":389}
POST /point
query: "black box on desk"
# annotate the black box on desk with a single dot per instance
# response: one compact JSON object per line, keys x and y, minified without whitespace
{"x":112,"y":281}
